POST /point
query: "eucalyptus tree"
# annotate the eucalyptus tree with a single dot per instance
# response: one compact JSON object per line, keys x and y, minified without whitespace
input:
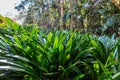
{"x":42,"y":12}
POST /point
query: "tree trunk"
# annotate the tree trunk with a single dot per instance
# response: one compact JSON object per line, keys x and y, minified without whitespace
{"x":62,"y":13}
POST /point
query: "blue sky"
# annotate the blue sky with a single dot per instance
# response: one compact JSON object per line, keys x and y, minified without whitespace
{"x":7,"y":7}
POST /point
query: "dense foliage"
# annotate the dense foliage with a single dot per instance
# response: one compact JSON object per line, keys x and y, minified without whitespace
{"x":96,"y":16}
{"x":67,"y":52}
{"x":31,"y":53}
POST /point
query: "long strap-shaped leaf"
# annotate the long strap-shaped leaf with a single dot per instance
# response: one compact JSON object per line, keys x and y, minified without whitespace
{"x":20,"y":65}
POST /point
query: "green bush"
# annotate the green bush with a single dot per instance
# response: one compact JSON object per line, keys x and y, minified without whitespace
{"x":37,"y":54}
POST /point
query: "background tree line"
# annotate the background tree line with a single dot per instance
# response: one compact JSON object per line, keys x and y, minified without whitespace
{"x":96,"y":16}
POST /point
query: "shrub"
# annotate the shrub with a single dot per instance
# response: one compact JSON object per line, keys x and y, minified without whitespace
{"x":37,"y":54}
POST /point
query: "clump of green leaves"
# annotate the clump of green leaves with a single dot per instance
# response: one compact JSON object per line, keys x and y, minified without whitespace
{"x":37,"y":54}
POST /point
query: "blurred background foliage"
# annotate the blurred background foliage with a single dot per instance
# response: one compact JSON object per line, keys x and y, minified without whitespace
{"x":96,"y":16}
